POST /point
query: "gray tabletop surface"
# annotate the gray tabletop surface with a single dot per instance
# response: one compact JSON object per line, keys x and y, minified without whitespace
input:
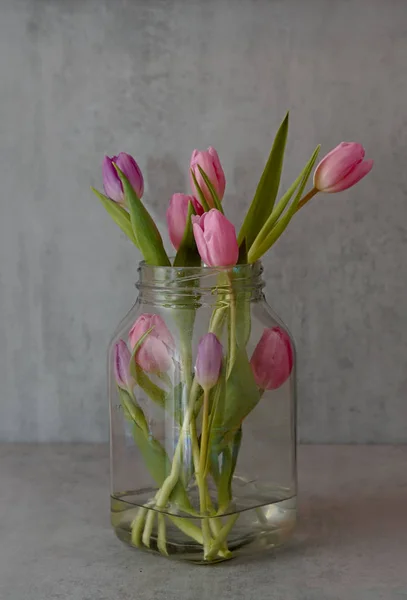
{"x":56,"y":541}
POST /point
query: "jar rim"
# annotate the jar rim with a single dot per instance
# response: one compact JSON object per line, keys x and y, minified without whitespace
{"x":241,"y":267}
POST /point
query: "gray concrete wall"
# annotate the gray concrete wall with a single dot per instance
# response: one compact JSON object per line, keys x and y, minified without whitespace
{"x":80,"y":78}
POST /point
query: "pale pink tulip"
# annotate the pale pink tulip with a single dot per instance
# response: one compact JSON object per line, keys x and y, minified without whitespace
{"x":341,"y":168}
{"x":215,"y":238}
{"x":155,"y":352}
{"x":177,"y":213}
{"x":272,"y":359}
{"x":209,"y":162}
{"x":121,"y":366}
{"x":111,"y":182}
{"x":208,"y":361}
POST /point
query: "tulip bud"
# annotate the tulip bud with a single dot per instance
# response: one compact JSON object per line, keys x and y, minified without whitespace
{"x":155,"y":352}
{"x":111,"y":182}
{"x":215,"y":238}
{"x":341,"y":168}
{"x":121,"y":366}
{"x":177,"y":216}
{"x":208,"y":361}
{"x":272,"y":359}
{"x":209,"y":162}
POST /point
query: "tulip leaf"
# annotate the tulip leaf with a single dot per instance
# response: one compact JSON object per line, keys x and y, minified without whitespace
{"x":267,"y":189}
{"x":120,"y":216}
{"x":158,"y":464}
{"x":200,"y":193}
{"x":132,"y":410}
{"x":229,"y":460}
{"x":268,"y":238}
{"x":188,"y":255}
{"x":215,"y":198}
{"x":242,"y":260}
{"x":240,"y":397}
{"x":145,"y":230}
{"x":154,"y":455}
{"x":155,"y":392}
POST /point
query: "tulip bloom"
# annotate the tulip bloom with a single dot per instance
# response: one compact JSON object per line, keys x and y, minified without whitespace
{"x":209,"y":162}
{"x":154,"y":354}
{"x":111,"y":182}
{"x":215,"y":238}
{"x":208,"y":361}
{"x":177,"y":213}
{"x":341,"y":168}
{"x":272,"y":359}
{"x":121,"y":366}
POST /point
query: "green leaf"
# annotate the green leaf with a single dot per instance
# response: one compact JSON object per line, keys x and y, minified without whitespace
{"x":266,"y":192}
{"x":120,"y":216}
{"x":268,"y":239}
{"x":241,"y":396}
{"x":157,"y":394}
{"x":154,"y":455}
{"x":215,"y":198}
{"x":132,"y":410}
{"x":145,"y":230}
{"x":200,"y":192}
{"x":188,"y":255}
{"x":158,"y":463}
{"x":242,"y":260}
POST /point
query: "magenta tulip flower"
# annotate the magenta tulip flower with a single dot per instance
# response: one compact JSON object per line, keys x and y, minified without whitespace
{"x":208,"y":361}
{"x":111,"y":182}
{"x":341,"y":168}
{"x":215,"y":238}
{"x":121,"y":366}
{"x":177,"y":216}
{"x":155,"y":352}
{"x":209,"y":162}
{"x":272,"y":359}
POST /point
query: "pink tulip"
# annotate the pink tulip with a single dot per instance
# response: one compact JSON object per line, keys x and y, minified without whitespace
{"x":209,"y":162}
{"x":272,"y":359}
{"x":154,"y":354}
{"x":121,"y":366}
{"x":208,"y":361}
{"x":341,"y":168}
{"x":111,"y":182}
{"x":177,"y":213}
{"x":215,"y":238}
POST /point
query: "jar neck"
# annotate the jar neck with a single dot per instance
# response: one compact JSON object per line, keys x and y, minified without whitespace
{"x":176,"y":286}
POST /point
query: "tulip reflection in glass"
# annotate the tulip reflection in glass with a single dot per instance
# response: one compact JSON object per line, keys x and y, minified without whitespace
{"x":201,"y":364}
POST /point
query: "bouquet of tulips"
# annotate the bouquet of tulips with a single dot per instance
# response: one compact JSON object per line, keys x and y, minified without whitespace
{"x":221,"y":385}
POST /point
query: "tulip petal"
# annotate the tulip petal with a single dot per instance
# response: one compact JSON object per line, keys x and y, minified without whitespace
{"x":337,"y":164}
{"x":353,"y":177}
{"x":111,"y":182}
{"x":200,"y":242}
{"x":130,"y":168}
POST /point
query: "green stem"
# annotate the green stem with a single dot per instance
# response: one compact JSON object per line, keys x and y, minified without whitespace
{"x":220,"y":539}
{"x":205,"y":435}
{"x":148,"y":528}
{"x":306,"y":198}
{"x":137,"y":526}
{"x":232,"y":326}
{"x":161,"y":537}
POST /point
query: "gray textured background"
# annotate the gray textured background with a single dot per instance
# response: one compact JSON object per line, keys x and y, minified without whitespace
{"x":80,"y":78}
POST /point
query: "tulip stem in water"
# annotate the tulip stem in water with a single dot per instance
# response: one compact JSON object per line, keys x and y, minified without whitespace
{"x":306,"y":198}
{"x":232,"y":326}
{"x":205,"y":435}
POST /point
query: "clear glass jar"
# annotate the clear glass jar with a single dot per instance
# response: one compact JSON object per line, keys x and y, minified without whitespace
{"x":202,"y":474}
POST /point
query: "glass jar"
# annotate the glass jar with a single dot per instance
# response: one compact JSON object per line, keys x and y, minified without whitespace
{"x":203,"y":448}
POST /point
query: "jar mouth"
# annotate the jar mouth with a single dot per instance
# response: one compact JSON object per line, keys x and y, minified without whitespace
{"x":178,"y":279}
